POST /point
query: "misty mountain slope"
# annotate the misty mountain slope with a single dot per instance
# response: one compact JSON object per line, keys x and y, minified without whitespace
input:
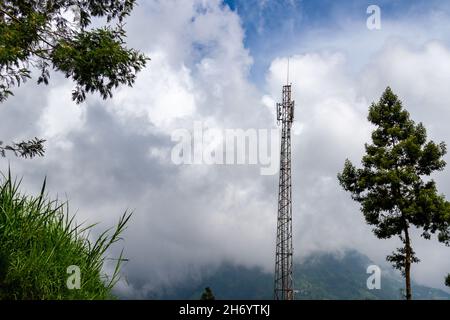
{"x":319,"y":276}
{"x":330,"y":276}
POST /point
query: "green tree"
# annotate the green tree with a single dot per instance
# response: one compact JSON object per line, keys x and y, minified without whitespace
{"x":208,"y":294}
{"x":447,"y":280}
{"x":390,"y":187}
{"x":40,"y":35}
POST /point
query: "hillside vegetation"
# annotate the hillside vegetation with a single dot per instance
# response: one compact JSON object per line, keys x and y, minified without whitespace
{"x":320,"y":275}
{"x":39,"y":241}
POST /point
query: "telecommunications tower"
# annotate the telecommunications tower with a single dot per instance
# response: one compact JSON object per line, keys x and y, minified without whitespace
{"x":284,"y":284}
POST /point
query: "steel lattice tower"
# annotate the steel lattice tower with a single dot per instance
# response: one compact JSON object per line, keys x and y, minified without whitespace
{"x":284,"y":283}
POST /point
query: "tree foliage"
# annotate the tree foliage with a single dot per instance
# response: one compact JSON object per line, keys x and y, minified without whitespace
{"x":57,"y":34}
{"x":390,"y":186}
{"x":25,"y":149}
{"x":207,"y":294}
{"x":47,"y":35}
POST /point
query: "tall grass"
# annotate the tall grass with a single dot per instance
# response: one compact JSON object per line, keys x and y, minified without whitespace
{"x":39,"y":240}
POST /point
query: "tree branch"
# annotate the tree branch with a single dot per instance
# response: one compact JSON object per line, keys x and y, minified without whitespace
{"x":25,"y":149}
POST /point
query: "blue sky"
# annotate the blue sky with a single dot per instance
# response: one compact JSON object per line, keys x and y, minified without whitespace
{"x":276,"y":28}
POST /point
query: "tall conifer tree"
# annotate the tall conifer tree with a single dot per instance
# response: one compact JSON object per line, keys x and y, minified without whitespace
{"x":391,"y":185}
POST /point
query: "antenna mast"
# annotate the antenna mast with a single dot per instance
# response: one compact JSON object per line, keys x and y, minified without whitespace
{"x":287,"y":81}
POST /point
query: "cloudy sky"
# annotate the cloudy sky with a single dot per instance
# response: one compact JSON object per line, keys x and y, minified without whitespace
{"x":223,"y":64}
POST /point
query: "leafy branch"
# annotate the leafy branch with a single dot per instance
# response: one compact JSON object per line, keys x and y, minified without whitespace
{"x":24,"y":149}
{"x":39,"y":34}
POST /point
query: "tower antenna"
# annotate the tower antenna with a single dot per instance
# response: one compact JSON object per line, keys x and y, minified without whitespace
{"x":284,"y":283}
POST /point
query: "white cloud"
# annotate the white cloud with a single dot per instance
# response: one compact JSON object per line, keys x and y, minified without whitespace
{"x":161,"y":95}
{"x":61,"y":116}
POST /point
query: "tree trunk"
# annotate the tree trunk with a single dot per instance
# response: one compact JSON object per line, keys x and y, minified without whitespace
{"x":408,"y":264}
